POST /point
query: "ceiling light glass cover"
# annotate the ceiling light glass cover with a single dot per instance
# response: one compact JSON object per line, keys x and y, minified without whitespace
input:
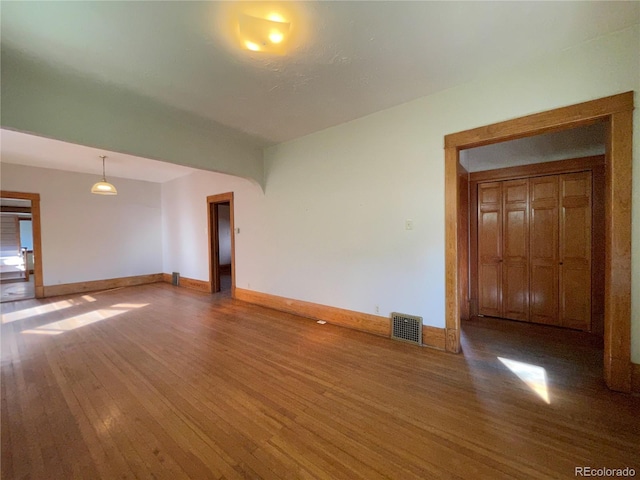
{"x":266,"y":35}
{"x":103,"y":187}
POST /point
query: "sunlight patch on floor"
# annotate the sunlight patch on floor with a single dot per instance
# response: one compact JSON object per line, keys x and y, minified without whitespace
{"x":39,"y":310}
{"x":43,"y":332}
{"x":61,"y":326}
{"x":534,"y":376}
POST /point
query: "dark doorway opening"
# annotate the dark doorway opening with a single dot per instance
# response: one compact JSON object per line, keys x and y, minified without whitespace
{"x":221,"y":242}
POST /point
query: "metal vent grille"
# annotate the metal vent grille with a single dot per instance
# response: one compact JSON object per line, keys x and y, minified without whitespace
{"x":175,"y":279}
{"x":407,"y":328}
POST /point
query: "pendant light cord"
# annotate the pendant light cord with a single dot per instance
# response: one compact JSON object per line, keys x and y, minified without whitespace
{"x":104,"y":177}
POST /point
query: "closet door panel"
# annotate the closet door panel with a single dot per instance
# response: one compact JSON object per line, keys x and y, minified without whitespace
{"x":490,"y":249}
{"x":515,"y":265}
{"x":575,"y":250}
{"x":543,"y":238}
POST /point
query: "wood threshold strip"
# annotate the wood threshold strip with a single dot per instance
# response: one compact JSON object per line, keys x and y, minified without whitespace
{"x":431,"y":336}
{"x":94,"y":285}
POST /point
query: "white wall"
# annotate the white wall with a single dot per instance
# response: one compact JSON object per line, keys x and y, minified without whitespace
{"x":336,"y":201}
{"x":91,"y":237}
{"x":330,"y":227}
{"x":185,"y":223}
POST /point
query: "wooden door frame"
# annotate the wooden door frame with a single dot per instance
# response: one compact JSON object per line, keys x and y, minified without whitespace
{"x":214,"y":266}
{"x":617,"y":112}
{"x":37,"y":234}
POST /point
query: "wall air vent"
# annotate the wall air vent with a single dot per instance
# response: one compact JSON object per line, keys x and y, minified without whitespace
{"x":407,"y":328}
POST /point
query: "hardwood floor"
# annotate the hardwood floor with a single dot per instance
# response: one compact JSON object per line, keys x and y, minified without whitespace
{"x":225,"y":282}
{"x":160,"y":382}
{"x":17,"y":290}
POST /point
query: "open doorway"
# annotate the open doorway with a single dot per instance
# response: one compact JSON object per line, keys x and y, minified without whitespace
{"x":537,"y":227}
{"x":536,"y":257}
{"x":221,"y":243}
{"x":616,"y":113}
{"x":20,"y":252}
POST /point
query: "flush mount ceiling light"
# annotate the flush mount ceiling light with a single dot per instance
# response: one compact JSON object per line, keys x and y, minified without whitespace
{"x":103,"y":187}
{"x":268,"y":35}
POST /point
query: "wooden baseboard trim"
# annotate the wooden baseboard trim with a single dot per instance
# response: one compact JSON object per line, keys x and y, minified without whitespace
{"x":618,"y":373}
{"x":635,"y":378}
{"x":364,"y":322}
{"x":92,"y":286}
{"x":434,"y":337}
{"x":190,"y":283}
{"x":431,"y":336}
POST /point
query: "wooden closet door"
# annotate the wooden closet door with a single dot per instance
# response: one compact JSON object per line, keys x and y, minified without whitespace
{"x":575,"y":250}
{"x":515,"y":258}
{"x":543,"y":244}
{"x":490,"y":249}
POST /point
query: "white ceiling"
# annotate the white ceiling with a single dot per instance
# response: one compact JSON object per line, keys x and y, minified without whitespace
{"x":347,"y":59}
{"x":573,"y":143}
{"x":23,"y":149}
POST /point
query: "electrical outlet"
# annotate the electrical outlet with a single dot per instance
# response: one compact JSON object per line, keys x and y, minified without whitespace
{"x":377,"y":308}
{"x":408,"y":225}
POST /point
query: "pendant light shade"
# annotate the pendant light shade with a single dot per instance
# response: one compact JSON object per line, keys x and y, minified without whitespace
{"x":103,"y":187}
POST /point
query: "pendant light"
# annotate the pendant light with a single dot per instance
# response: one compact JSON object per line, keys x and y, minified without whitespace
{"x":104,"y":187}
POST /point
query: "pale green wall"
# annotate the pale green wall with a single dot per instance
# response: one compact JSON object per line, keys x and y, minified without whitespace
{"x":66,"y":106}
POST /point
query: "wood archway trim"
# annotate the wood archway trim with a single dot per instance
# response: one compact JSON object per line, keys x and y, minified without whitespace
{"x":37,"y":232}
{"x":617,"y":112}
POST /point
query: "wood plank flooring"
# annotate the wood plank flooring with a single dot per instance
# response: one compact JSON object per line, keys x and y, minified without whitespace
{"x":12,"y":290}
{"x":161,"y":382}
